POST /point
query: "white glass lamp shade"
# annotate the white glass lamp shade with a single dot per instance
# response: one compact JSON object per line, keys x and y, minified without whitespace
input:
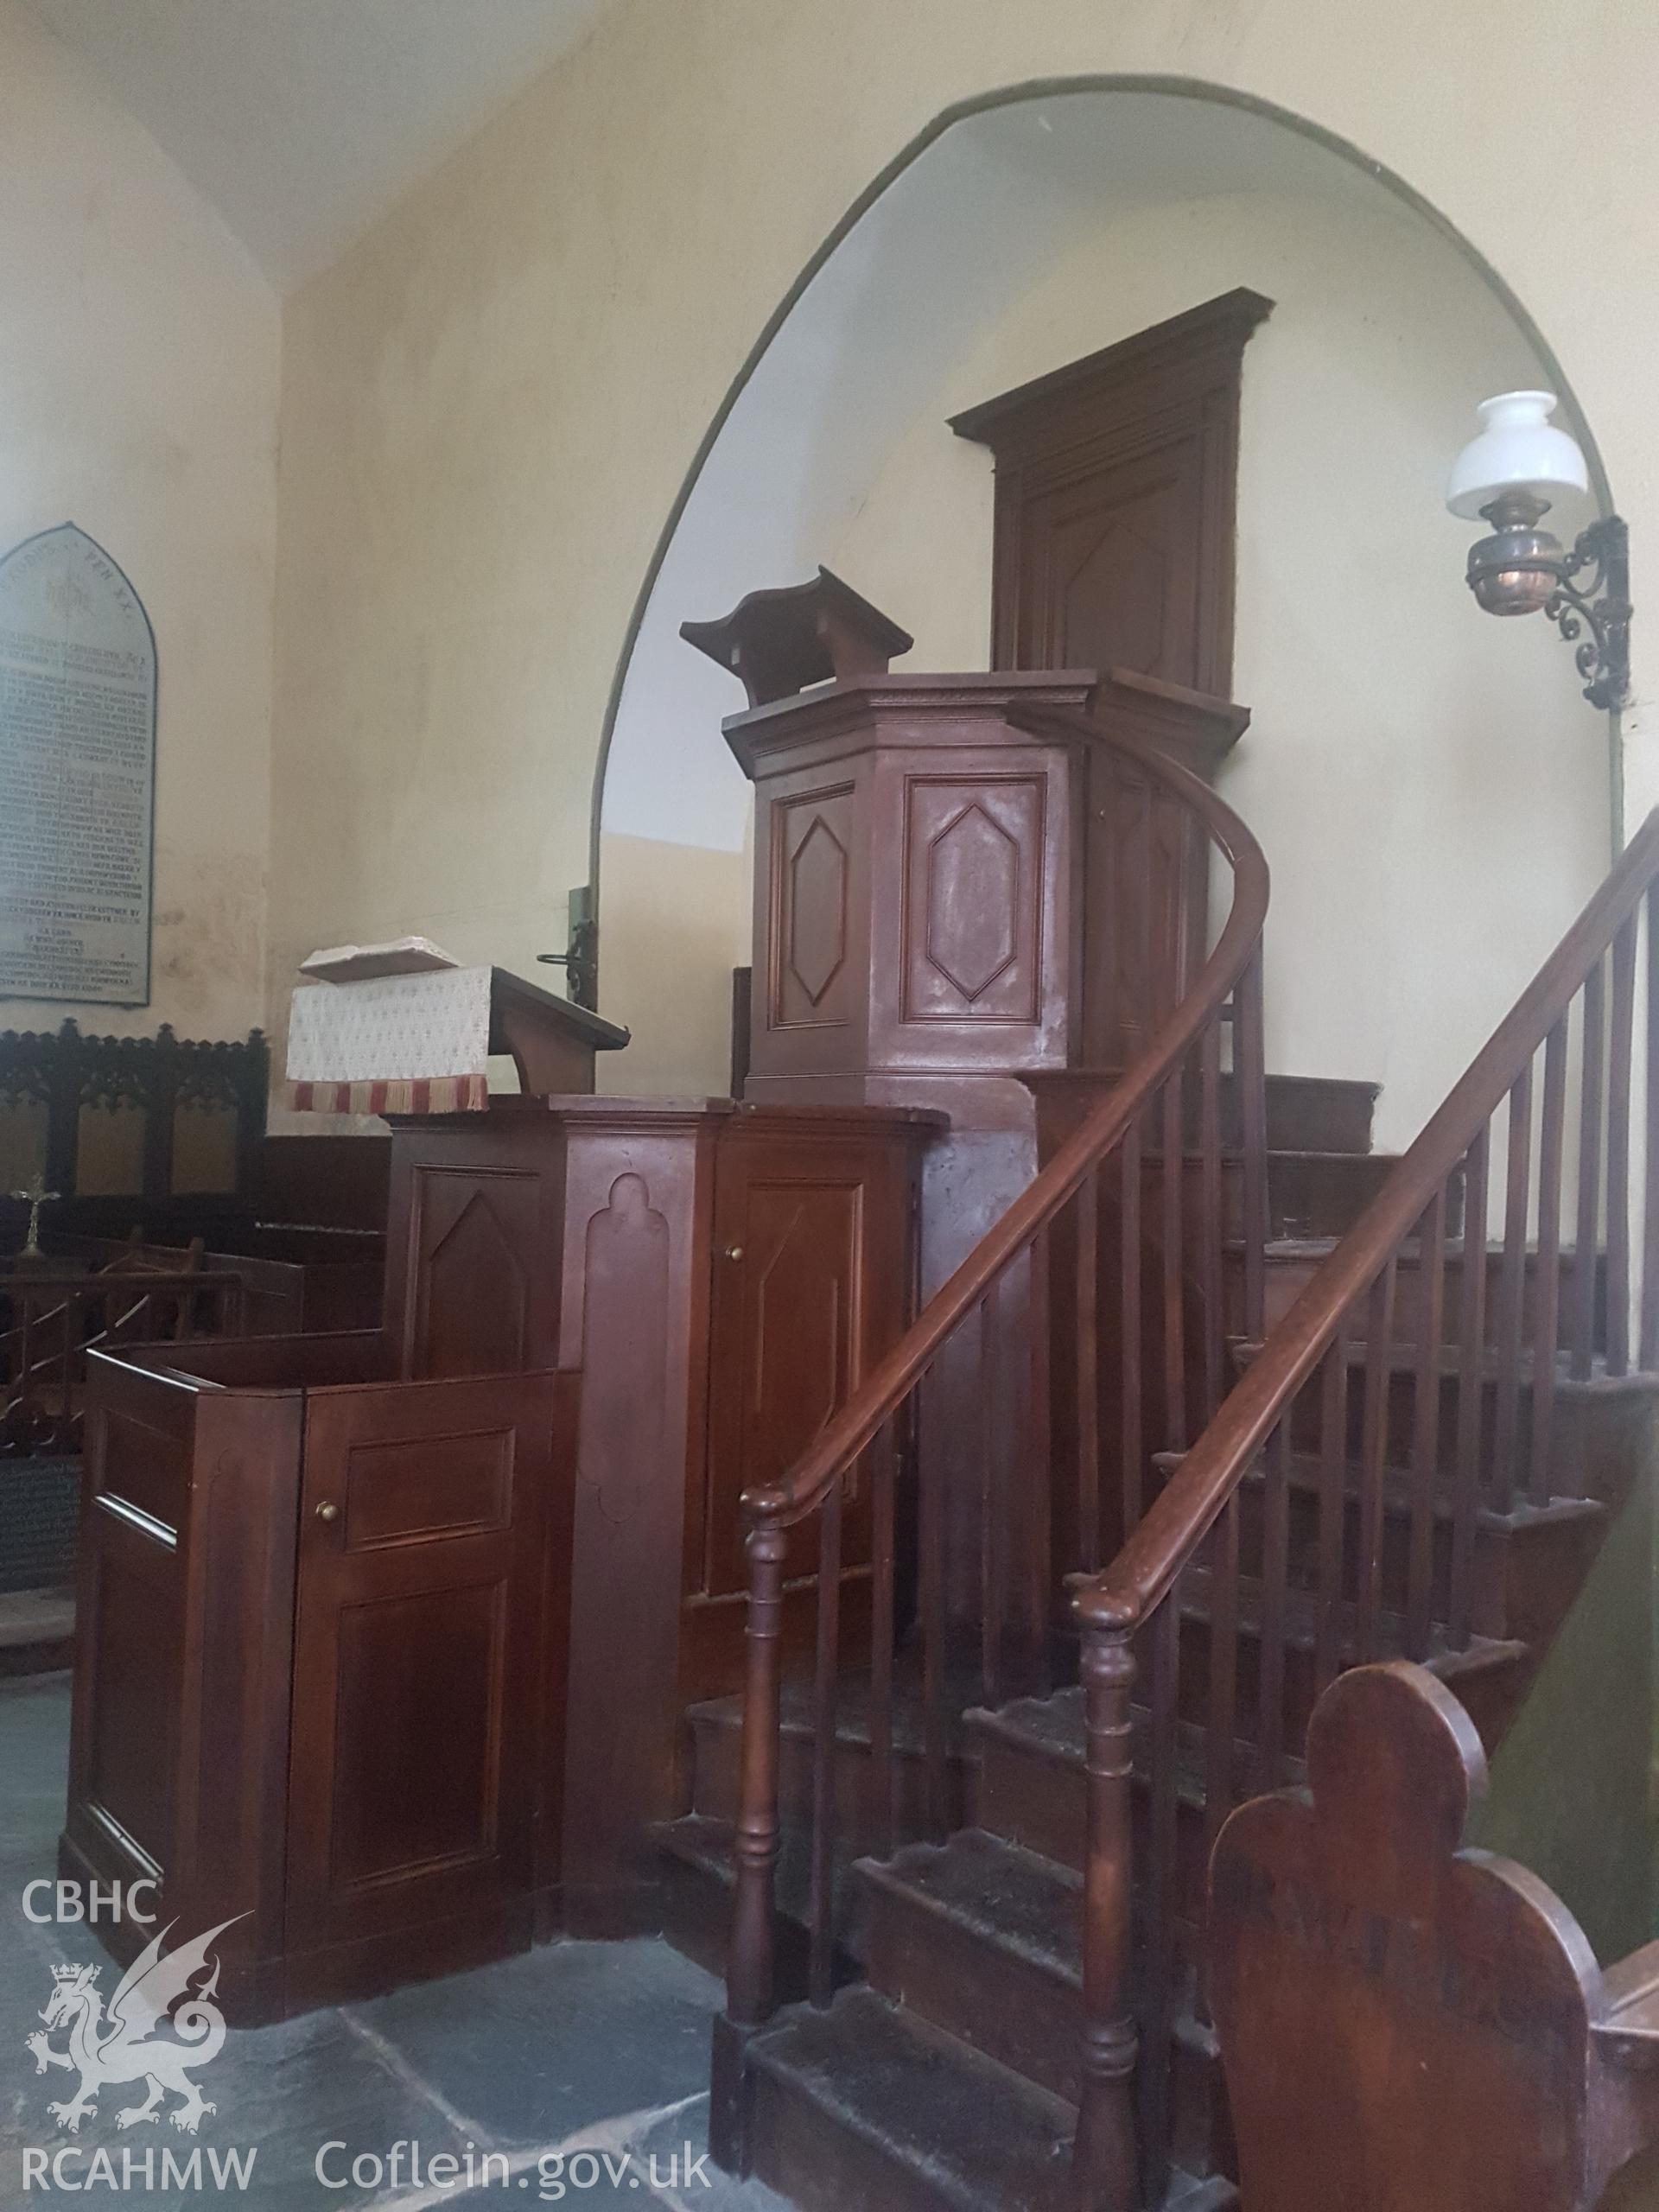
{"x":1519,"y":449}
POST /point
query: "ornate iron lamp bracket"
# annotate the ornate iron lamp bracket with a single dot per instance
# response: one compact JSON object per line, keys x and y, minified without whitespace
{"x":1601,"y":604}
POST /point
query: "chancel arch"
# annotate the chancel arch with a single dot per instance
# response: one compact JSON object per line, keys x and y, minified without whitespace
{"x":1396,"y":735}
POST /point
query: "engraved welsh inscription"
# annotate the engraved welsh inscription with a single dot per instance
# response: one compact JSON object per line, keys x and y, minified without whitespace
{"x":77,"y":774}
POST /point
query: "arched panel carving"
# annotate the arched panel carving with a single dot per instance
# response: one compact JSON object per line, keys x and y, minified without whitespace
{"x":473,"y":1295}
{"x":625,"y":1310}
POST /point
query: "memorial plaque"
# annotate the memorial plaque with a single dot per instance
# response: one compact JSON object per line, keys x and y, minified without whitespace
{"x":77,"y":774}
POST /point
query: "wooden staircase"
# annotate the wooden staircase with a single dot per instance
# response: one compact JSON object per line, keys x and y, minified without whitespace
{"x":1286,"y":1411}
{"x":945,"y":2071}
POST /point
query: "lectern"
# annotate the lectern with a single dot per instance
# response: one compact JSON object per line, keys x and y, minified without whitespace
{"x":420,"y":1043}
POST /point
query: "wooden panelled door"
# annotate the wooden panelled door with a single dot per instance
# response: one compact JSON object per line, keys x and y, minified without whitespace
{"x":813,"y":1262}
{"x":1115,"y":502}
{"x":792,"y":1321}
{"x":414,"y":1774}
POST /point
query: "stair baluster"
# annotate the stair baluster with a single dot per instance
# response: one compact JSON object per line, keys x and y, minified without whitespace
{"x":1546,"y":1326}
{"x":879,"y":1816}
{"x":1333,"y":1509}
{"x":1035,"y":1476}
{"x":1426,"y":1423}
{"x":1650,"y":1339}
{"x":1620,"y":1055}
{"x":825,"y":1695}
{"x":1592,"y":1075}
{"x":1132,"y":1442}
{"x":751,"y":1972}
{"x":1105,"y":2158}
{"x":1085,"y":1300}
{"x":1472,"y":1427}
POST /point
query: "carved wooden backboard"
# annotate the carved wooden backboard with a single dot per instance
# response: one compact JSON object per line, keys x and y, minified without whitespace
{"x":1404,"y":2023}
{"x":1115,"y":502}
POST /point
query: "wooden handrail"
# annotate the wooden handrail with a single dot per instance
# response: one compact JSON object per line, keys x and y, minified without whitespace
{"x":1166,"y":1541}
{"x":806,"y":1486}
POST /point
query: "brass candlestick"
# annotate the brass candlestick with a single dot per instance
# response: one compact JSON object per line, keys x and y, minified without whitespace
{"x":34,"y":1198}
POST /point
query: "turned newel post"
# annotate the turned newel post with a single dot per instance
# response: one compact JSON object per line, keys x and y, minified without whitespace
{"x":749,"y":1975}
{"x":1105,"y":2168}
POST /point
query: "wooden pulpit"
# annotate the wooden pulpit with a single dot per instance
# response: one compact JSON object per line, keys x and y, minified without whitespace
{"x":915,"y":907}
{"x":953,"y":877}
{"x":963,"y":890}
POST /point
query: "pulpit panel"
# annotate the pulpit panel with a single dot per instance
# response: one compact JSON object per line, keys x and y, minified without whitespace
{"x":812,"y":981}
{"x":477,"y":1205}
{"x":975,"y":863}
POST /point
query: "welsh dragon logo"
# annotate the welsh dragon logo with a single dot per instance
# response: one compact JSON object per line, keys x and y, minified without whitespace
{"x":121,"y":2046}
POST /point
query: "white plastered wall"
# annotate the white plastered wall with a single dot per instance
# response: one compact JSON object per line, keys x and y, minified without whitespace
{"x":490,"y":406}
{"x":139,"y":359}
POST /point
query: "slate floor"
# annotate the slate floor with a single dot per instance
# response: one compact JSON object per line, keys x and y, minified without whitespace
{"x":582,"y":2067}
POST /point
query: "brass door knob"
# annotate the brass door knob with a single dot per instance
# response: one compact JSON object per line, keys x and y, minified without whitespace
{"x":328,"y":1511}
{"x":733,"y":1251}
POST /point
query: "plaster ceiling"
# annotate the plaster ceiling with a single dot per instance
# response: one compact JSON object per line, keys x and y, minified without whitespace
{"x":303,"y":121}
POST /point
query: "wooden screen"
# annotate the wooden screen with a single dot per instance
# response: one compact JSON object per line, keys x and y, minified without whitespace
{"x":1115,"y":502}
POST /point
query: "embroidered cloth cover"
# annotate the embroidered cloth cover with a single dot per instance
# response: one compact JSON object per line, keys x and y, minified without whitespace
{"x":397,"y":1044}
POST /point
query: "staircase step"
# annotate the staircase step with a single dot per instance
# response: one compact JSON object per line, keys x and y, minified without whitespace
{"x":985,"y":1940}
{"x":1597,"y":1428}
{"x":1305,"y":1474}
{"x":1031,"y":1775}
{"x":1329,"y":1114}
{"x":867,"y":2105}
{"x":1031,"y":1784}
{"x":1333,"y":1113}
{"x":1317,"y":1194}
{"x":1401,"y":1358}
{"x":1293,"y":1261}
{"x":1488,"y":1675}
{"x":699,"y":1877}
{"x":716,"y":1726}
{"x":1527,"y":1564}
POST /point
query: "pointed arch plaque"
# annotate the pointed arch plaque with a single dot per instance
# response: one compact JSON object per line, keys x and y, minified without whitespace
{"x":77,"y":774}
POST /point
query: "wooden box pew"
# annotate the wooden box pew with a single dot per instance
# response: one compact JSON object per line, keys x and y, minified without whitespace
{"x":319,"y":1680}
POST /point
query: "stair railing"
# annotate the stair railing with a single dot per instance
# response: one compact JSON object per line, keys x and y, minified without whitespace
{"x":1080,"y":1229}
{"x":1401,"y":1383}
